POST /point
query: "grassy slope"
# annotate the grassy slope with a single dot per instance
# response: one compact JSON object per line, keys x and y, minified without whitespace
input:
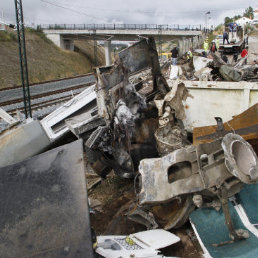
{"x":45,"y":60}
{"x":87,"y":48}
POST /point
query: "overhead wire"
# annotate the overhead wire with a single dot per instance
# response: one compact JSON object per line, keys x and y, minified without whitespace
{"x":145,"y":12}
{"x":69,"y":9}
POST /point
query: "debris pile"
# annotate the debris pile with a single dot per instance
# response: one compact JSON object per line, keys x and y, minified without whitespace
{"x":132,"y":122}
{"x":213,"y":68}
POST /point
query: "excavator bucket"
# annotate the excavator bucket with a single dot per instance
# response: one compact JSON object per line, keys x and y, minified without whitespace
{"x":44,"y":206}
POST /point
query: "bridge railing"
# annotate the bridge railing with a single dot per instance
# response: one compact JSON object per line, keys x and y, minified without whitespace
{"x":120,"y":27}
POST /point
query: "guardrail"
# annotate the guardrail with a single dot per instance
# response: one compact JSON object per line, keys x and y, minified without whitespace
{"x":120,"y":27}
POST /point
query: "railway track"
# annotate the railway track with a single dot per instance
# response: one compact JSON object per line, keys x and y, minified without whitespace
{"x":45,"y":96}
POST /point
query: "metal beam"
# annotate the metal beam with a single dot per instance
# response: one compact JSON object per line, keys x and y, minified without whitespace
{"x":23,"y":57}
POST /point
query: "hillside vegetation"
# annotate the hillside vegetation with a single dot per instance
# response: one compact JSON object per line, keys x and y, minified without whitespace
{"x":45,"y":60}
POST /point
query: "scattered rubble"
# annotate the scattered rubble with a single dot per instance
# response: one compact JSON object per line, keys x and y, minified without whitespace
{"x":138,"y":125}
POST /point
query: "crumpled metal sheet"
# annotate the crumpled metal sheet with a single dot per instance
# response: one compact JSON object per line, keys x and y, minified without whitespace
{"x":175,"y":98}
{"x":137,"y":57}
{"x":44,"y":206}
{"x":171,"y":135}
{"x":229,"y":73}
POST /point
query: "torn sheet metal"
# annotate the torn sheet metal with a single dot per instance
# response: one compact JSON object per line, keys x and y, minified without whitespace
{"x":244,"y":124}
{"x":217,"y":60}
{"x":22,"y":141}
{"x":141,"y":244}
{"x":111,"y":81}
{"x":44,"y":206}
{"x":230,"y":73}
{"x":175,"y":99}
{"x":125,"y":110}
{"x":54,"y":123}
{"x":83,"y":124}
{"x":171,"y":134}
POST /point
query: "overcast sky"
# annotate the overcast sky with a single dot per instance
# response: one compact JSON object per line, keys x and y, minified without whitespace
{"x":181,"y":12}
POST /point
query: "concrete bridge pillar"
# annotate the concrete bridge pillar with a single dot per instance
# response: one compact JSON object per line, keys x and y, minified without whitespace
{"x":181,"y":45}
{"x":61,"y":42}
{"x":57,"y":39}
{"x":107,"y":46}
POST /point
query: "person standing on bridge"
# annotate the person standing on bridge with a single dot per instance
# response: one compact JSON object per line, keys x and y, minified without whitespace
{"x":174,"y":52}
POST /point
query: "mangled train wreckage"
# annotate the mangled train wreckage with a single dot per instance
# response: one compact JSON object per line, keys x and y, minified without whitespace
{"x":134,"y":126}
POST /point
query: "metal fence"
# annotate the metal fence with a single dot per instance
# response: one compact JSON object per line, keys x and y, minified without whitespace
{"x":120,"y":27}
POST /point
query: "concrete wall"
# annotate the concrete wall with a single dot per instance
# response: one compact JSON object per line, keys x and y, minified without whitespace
{"x":184,"y":44}
{"x":61,"y":42}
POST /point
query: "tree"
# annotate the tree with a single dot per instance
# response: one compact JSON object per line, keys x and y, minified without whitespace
{"x":227,"y":20}
{"x":236,"y":17}
{"x":249,"y":12}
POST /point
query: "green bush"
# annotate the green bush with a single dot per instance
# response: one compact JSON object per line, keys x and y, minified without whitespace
{"x":249,"y":28}
{"x":7,"y":36}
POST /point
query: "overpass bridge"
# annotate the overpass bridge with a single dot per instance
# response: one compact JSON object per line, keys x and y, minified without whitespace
{"x":63,"y":35}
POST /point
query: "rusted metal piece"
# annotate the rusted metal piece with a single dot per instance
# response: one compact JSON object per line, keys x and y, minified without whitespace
{"x":145,"y":218}
{"x":44,"y":206}
{"x":173,"y":214}
{"x":235,"y":234}
{"x":244,"y":124}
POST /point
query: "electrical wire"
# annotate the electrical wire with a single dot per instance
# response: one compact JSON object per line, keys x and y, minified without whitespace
{"x":69,"y":9}
{"x":146,"y":12}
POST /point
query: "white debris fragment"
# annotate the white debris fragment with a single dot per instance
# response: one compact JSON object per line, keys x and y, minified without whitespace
{"x":200,"y":62}
{"x":142,"y":244}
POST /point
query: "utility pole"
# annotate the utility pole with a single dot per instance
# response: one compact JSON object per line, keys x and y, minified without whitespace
{"x":23,"y":58}
{"x":206,"y":19}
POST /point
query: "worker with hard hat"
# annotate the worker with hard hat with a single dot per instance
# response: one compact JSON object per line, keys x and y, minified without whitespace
{"x":189,"y":55}
{"x":206,"y":46}
{"x":217,"y":42}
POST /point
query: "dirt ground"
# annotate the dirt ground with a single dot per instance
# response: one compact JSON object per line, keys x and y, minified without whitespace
{"x":116,"y":196}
